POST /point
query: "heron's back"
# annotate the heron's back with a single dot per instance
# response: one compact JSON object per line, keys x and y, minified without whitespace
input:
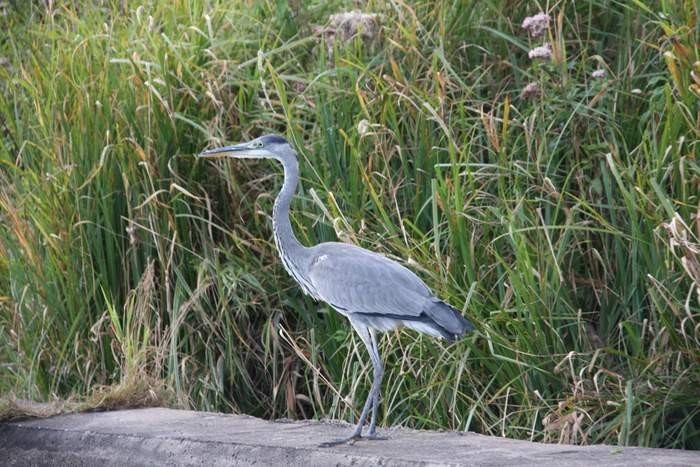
{"x":380,"y":293}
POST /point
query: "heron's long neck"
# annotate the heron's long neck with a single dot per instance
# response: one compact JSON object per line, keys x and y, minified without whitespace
{"x":292,"y":252}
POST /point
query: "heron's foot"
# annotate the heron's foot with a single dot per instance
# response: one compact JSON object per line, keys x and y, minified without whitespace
{"x":372,"y":434}
{"x":353,"y":439}
{"x":349,"y":440}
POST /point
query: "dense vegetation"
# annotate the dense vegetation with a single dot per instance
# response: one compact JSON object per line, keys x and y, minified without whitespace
{"x":554,"y":200}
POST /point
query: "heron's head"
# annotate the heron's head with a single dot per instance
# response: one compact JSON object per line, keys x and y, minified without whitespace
{"x":264,"y":147}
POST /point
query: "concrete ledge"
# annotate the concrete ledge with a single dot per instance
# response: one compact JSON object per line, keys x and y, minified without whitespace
{"x":181,"y":437}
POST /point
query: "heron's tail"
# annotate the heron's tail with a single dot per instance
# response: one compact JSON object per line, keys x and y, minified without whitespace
{"x":448,"y":321}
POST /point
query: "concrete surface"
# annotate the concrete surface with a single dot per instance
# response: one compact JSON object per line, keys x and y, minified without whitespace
{"x":180,"y":437}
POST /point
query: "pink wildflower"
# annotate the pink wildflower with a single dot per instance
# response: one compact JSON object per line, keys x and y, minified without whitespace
{"x":598,"y":74}
{"x":544,"y":52}
{"x":537,"y":24}
{"x":531,"y":90}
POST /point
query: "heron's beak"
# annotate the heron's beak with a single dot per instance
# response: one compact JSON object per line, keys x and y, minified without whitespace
{"x":239,"y":151}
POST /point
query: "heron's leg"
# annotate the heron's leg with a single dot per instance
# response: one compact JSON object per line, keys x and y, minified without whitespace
{"x":364,"y":333}
{"x":377,"y":361}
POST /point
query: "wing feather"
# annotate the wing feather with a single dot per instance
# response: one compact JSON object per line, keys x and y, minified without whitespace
{"x":360,"y":281}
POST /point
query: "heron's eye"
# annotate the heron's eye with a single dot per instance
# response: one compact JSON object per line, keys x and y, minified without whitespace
{"x":256,"y":144}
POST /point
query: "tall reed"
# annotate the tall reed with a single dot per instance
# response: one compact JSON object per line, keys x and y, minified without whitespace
{"x":563,"y":220}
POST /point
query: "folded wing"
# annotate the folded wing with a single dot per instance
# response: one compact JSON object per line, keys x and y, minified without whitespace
{"x":378,"y":292}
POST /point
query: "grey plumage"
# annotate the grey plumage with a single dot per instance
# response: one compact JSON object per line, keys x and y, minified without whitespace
{"x":379,"y":292}
{"x":372,"y":291}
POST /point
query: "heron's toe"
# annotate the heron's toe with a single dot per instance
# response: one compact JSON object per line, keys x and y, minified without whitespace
{"x":349,"y":440}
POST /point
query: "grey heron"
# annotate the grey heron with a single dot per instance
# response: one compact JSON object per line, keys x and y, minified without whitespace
{"x":374,"y":292}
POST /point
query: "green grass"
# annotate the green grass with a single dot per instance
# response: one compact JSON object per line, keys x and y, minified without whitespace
{"x":565,"y":225}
